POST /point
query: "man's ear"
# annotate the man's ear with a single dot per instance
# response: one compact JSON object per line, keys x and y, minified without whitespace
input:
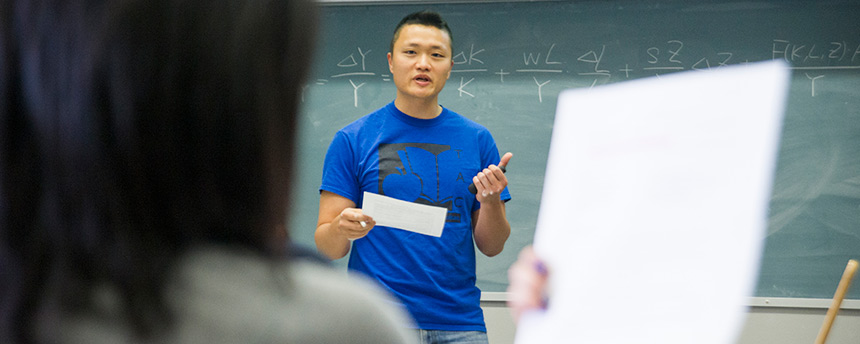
{"x":389,"y":62}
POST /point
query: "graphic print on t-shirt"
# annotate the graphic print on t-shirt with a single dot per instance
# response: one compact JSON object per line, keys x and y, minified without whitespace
{"x":416,"y":172}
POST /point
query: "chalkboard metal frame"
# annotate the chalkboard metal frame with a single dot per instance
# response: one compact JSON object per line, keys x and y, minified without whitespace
{"x":415,"y":2}
{"x":764,"y":302}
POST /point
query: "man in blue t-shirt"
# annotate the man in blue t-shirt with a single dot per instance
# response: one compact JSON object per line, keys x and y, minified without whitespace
{"x":415,"y":150}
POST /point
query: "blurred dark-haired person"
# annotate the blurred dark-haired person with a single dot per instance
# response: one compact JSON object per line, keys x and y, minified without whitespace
{"x":145,"y":167}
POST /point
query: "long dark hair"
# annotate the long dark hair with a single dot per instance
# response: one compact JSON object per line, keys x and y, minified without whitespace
{"x":131,"y":130}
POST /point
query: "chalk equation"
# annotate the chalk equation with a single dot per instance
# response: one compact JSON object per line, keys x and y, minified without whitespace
{"x":600,"y":64}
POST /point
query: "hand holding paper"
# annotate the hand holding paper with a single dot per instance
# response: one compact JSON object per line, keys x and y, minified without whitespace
{"x":354,"y":223}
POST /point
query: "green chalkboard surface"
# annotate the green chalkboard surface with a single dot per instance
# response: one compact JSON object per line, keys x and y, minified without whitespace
{"x":513,"y":58}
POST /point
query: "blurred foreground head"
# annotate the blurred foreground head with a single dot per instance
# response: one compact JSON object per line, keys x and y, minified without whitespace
{"x":132,"y":130}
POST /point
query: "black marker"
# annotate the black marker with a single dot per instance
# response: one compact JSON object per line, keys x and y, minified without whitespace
{"x":474,"y":189}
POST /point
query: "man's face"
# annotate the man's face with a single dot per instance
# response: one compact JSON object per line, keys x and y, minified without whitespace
{"x":420,"y":62}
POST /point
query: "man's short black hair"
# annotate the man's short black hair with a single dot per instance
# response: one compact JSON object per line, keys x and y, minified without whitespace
{"x":426,"y":18}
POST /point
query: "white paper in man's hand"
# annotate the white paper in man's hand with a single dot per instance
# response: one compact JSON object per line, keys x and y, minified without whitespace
{"x":654,"y":207}
{"x":413,"y":217}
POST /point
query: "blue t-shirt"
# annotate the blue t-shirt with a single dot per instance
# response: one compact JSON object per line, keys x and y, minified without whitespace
{"x":427,"y":161}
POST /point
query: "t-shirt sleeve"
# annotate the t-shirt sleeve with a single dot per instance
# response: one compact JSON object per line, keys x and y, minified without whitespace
{"x":339,"y":168}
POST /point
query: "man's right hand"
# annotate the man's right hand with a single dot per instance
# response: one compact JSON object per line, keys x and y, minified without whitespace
{"x":339,"y":222}
{"x":353,"y":224}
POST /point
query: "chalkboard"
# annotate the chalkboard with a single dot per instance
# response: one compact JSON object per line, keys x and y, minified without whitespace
{"x":513,"y":58}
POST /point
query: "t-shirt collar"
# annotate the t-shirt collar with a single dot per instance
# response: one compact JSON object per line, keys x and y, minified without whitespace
{"x":418,"y":122}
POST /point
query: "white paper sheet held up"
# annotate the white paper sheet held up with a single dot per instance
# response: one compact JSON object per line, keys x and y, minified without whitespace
{"x":414,"y":217}
{"x":654,"y":207}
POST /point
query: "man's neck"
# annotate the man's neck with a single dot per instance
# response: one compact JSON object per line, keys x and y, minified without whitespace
{"x":418,"y":109}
